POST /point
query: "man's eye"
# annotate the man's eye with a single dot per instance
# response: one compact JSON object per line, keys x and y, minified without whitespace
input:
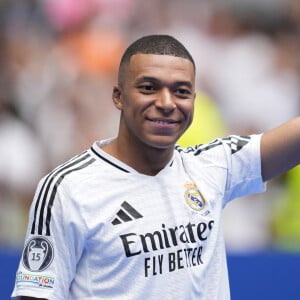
{"x":146,"y":88}
{"x":183,"y":92}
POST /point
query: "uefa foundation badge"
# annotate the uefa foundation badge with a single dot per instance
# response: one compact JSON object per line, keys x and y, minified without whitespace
{"x":193,"y":197}
{"x":38,"y":254}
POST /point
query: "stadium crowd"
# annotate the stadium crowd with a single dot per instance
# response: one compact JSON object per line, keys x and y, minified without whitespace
{"x":58,"y":63}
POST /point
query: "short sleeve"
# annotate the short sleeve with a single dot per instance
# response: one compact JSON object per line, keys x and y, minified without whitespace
{"x":48,"y":262}
{"x":244,"y":166}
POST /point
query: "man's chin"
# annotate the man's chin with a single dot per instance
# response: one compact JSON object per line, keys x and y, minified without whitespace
{"x":162,"y":143}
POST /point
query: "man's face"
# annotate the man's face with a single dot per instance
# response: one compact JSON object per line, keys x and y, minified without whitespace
{"x":156,"y":98}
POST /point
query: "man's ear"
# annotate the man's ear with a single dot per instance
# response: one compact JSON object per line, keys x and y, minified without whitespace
{"x":116,"y":96}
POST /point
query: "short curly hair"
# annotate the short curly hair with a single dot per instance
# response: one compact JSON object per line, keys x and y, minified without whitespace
{"x":154,"y":44}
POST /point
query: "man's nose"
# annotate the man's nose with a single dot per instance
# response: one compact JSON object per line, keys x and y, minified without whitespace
{"x":165,"y":100}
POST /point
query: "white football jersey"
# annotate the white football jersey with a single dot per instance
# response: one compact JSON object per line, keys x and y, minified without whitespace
{"x":98,"y":229}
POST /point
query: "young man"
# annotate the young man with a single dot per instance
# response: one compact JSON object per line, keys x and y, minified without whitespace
{"x":136,"y":217}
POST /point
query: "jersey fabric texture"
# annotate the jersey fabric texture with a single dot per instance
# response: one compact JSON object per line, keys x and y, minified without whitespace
{"x":98,"y":229}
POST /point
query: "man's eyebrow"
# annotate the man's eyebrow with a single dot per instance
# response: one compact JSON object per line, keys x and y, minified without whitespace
{"x":147,"y":78}
{"x":184,"y":83}
{"x":155,"y":80}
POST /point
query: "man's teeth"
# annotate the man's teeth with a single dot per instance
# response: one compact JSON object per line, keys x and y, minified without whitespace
{"x":162,"y":122}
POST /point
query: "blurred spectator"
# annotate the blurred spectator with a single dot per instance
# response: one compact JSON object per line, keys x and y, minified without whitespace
{"x":21,"y":158}
{"x":69,"y":14}
{"x":257,"y":86}
{"x":21,"y":167}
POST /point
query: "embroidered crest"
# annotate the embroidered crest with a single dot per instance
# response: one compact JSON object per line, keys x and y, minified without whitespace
{"x":193,"y":197}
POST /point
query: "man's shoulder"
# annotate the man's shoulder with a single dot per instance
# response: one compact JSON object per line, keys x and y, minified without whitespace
{"x":231,"y":143}
{"x":198,"y":148}
{"x":75,"y":168}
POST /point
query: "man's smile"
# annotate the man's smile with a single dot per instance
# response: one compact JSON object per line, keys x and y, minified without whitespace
{"x":163,"y":121}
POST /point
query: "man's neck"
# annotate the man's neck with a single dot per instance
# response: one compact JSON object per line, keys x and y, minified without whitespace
{"x":142,"y":158}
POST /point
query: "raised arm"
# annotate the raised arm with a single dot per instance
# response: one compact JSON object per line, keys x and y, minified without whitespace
{"x":280,"y":149}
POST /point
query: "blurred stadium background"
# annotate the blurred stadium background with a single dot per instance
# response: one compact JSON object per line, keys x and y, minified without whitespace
{"x":58,"y":62}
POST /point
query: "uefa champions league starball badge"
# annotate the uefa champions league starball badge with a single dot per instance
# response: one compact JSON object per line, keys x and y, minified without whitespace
{"x":193,"y":196}
{"x":38,"y":254}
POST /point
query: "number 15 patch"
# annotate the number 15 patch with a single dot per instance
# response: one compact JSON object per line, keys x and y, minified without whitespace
{"x":38,"y":254}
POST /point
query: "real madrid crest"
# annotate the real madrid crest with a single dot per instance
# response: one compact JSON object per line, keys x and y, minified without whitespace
{"x":38,"y":254}
{"x":193,"y":197}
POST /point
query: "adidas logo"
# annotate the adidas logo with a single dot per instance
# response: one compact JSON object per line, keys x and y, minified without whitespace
{"x":126,"y":213}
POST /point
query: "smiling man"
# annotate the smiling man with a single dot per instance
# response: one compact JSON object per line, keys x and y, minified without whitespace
{"x":156,"y":96}
{"x":137,"y":217}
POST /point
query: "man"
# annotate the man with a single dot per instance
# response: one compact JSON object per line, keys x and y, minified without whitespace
{"x":136,"y":217}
